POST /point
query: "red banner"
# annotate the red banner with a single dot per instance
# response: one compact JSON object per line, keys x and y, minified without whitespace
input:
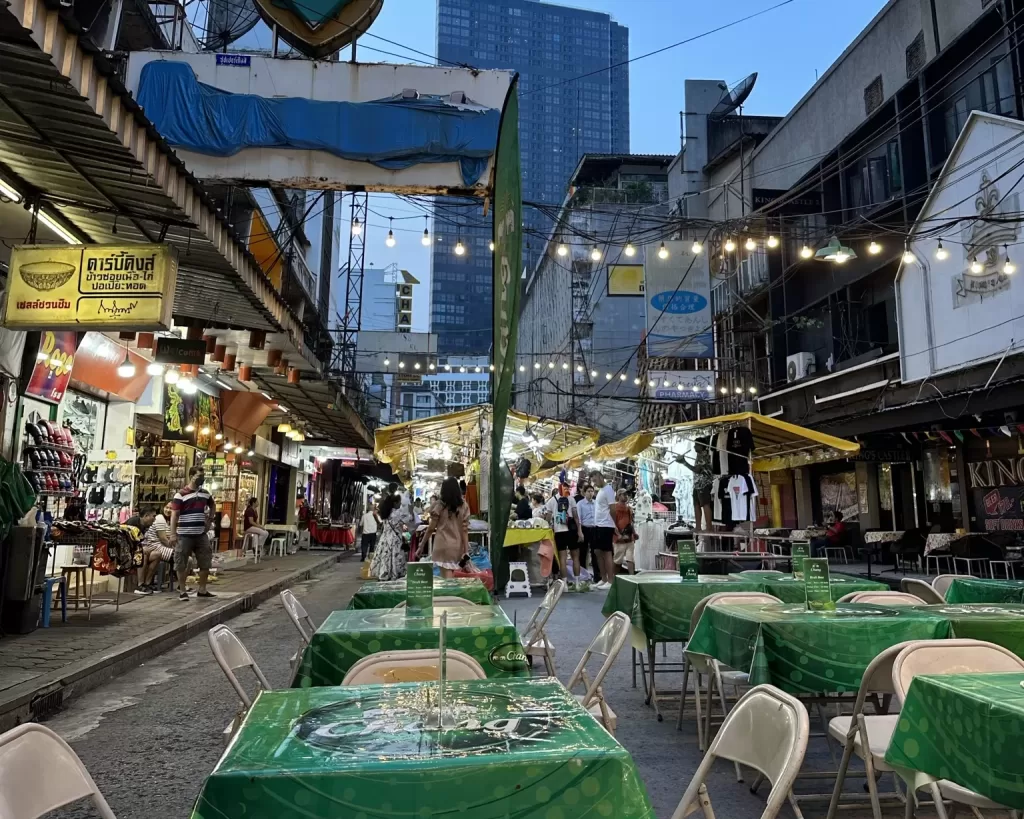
{"x":52,"y":371}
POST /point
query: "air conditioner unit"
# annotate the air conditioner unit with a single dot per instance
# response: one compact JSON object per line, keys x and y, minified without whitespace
{"x":799,"y":365}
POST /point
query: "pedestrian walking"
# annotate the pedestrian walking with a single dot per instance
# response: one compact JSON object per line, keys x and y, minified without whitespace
{"x":369,"y":525}
{"x":449,"y":524}
{"x":191,"y":518}
{"x":568,"y":532}
{"x":388,"y":557}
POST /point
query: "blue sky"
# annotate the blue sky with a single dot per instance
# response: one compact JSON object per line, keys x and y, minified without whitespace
{"x":786,"y":47}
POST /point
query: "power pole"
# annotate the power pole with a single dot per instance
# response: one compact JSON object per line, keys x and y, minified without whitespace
{"x":353,"y":275}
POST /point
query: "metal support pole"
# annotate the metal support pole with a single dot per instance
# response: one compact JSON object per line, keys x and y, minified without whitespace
{"x":353,"y":275}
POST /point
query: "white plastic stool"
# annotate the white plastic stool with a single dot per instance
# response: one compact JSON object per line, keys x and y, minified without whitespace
{"x":251,"y":542}
{"x":278,"y":543}
{"x":518,"y":580}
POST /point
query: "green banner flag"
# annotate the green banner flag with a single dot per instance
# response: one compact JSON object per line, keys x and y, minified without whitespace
{"x":817,"y":585}
{"x":419,"y":588}
{"x":508,"y":256}
{"x":799,"y":551}
{"x":687,"y":559}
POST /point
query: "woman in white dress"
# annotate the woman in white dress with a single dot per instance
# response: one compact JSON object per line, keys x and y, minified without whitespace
{"x":388,"y":559}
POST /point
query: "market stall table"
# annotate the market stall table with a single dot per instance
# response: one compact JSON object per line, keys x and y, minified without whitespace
{"x":808,"y":652}
{"x":999,"y":623}
{"x":388,"y":594}
{"x":332,"y":535}
{"x":965,"y":728}
{"x":790,"y":590}
{"x":882,"y":537}
{"x":982,"y":590}
{"x":483,"y":632}
{"x":520,"y":748}
{"x":526,"y":536}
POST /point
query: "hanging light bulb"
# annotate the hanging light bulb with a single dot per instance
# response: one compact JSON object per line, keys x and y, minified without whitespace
{"x":490,"y":246}
{"x":565,"y":365}
{"x":127,"y":369}
{"x":622,"y":376}
{"x":430,"y":366}
{"x":154,"y":369}
{"x":629,"y":250}
{"x":636,"y":382}
{"x":662,"y":251}
{"x":522,"y":369}
{"x":491,"y":368}
{"x":390,"y":241}
{"x":909,"y":257}
{"x":171,"y":376}
{"x":666,"y":383}
{"x":448,"y":367}
{"x":250,"y":453}
{"x":697,"y":248}
{"x":607,"y":376}
{"x":806,"y":252}
{"x":536,"y":365}
{"x":401,"y":365}
{"x":425,"y":241}
{"x":460,"y":249}
{"x":650,"y":383}
{"x":1009,"y":268}
{"x":941,"y":253}
{"x":562,"y":250}
{"x":416,"y":366}
{"x":730,"y":245}
{"x":595,"y":254}
{"x":752,"y":390}
{"x":357,"y":226}
{"x":478,"y":370}
{"x":874,"y":248}
{"x":593,"y":373}
{"x":751,"y":245}
{"x":204,"y":431}
{"x":772,"y":242}
{"x":976,"y":266}
{"x":551,"y":365}
{"x":579,"y":368}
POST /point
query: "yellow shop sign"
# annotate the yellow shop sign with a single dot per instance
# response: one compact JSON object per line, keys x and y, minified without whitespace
{"x":91,"y":287}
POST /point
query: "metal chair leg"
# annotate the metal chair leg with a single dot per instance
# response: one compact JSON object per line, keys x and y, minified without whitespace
{"x":840,"y":779}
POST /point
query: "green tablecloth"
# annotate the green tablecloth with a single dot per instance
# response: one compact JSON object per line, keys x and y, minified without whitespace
{"x":807,"y":652}
{"x":1002,"y":624}
{"x":483,"y":632}
{"x":520,"y":748}
{"x":789,"y":590}
{"x":390,"y":593}
{"x":660,"y":605}
{"x":979,"y":590}
{"x":967,"y":728}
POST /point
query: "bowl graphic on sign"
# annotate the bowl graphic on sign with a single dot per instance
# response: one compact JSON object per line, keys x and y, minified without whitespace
{"x":680,"y":302}
{"x":45,"y":276}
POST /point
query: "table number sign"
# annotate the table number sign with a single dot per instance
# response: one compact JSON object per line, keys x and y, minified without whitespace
{"x":687,"y":560}
{"x":799,"y":552}
{"x":817,"y":585}
{"x":419,"y":588}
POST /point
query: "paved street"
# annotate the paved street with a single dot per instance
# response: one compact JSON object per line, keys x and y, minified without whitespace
{"x":150,"y":736}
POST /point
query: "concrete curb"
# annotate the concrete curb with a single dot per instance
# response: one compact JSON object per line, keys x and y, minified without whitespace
{"x":46,"y":694}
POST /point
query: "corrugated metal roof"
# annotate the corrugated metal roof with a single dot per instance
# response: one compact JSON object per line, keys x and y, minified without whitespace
{"x":322,"y":405}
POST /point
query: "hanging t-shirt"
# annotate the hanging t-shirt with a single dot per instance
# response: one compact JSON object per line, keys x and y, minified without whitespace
{"x":720,"y":460}
{"x":740,"y":445}
{"x":722,"y":502}
{"x":742,"y":492}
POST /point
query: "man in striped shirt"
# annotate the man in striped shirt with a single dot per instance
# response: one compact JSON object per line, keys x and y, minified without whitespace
{"x":191,"y":515}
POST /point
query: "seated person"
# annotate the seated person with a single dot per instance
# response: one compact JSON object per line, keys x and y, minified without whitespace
{"x":835,"y":535}
{"x":157,"y":545}
{"x":249,"y":521}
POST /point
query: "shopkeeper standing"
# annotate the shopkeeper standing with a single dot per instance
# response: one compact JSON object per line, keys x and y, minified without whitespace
{"x":191,"y":517}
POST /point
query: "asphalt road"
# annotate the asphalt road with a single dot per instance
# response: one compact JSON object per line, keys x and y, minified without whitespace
{"x":150,"y":737}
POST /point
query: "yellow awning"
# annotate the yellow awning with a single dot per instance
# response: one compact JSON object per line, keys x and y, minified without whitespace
{"x":402,"y":445}
{"x":625,"y":448}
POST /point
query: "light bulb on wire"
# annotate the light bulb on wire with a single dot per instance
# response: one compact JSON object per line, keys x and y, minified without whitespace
{"x":662,"y":251}
{"x":490,"y":246}
{"x":154,"y":369}
{"x":751,"y":245}
{"x":874,"y":248}
{"x":772,"y":242}
{"x":390,"y":241}
{"x":562,"y":250}
{"x":551,"y":365}
{"x":595,"y":254}
{"x":941,"y":253}
{"x":127,"y":369}
{"x":460,"y":249}
{"x":629,"y":250}
{"x":976,"y":266}
{"x":357,"y":226}
{"x":1009,"y":268}
{"x":425,"y":241}
{"x":806,"y":252}
{"x":909,"y":257}
{"x":730,"y":245}
{"x":696,"y":248}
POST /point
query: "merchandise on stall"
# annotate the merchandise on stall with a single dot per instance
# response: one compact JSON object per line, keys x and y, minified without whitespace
{"x":222,"y":482}
{"x":50,"y":463}
{"x":161,"y":468}
{"x":109,"y":486}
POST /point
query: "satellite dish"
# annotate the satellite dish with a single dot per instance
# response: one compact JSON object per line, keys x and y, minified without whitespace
{"x":226,"y":21}
{"x":734,"y":97}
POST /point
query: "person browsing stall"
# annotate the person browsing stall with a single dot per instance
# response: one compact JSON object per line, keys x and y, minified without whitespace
{"x":191,"y":517}
{"x":449,"y":525}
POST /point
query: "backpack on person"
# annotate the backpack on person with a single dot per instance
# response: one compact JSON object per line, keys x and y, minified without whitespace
{"x":562,"y":511}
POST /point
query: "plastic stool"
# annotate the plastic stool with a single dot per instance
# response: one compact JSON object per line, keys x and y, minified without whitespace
{"x":278,"y":543}
{"x":518,"y":580}
{"x":48,"y":598}
{"x":251,"y":542}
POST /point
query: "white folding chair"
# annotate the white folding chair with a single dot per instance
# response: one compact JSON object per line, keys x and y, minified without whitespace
{"x":957,"y":656}
{"x":608,"y":643}
{"x":421,"y":665}
{"x":882,"y":598}
{"x":303,"y":623}
{"x":867,"y":735}
{"x":942,"y":582}
{"x":920,"y":589}
{"x":39,"y":773}
{"x":231,"y":655}
{"x":536,"y":642}
{"x":767,"y":730}
{"x":446,"y":600}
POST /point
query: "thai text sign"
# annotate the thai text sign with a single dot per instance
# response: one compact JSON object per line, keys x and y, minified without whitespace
{"x":91,"y":287}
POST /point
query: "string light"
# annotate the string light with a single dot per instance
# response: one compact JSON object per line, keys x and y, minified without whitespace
{"x":665,"y":383}
{"x":551,"y":365}
{"x":752,"y":390}
{"x":662,"y":251}
{"x":874,"y":248}
{"x":730,"y":245}
{"x":462,"y":369}
{"x":357,"y":226}
{"x":565,"y":365}
{"x":536,"y":365}
{"x":562,"y":250}
{"x":607,"y":376}
{"x":806,"y":252}
{"x":460,"y":249}
{"x":425,"y":241}
{"x":1009,"y":268}
{"x":204,"y":431}
{"x":636,"y":382}
{"x":595,"y":254}
{"x":401,"y":365}
{"x":739,"y":390}
{"x":751,"y":245}
{"x":697,"y":248}
{"x":416,"y":366}
{"x":976,"y":266}
{"x":579,"y":368}
{"x":725,"y":391}
{"x":190,"y":428}
{"x":448,"y":367}
{"x":491,"y":368}
{"x":219,"y":436}
{"x":478,"y":370}
{"x":593,"y":373}
{"x":630,"y":251}
{"x":490,"y":246}
{"x":430,"y":366}
{"x":909,"y":257}
{"x":941,"y":253}
{"x":650,"y":383}
{"x":390,"y":241}
{"x":387,"y":362}
{"x":522,"y":369}
{"x":772,"y":242}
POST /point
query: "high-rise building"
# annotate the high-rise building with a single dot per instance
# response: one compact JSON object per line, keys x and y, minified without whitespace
{"x":565,"y":111}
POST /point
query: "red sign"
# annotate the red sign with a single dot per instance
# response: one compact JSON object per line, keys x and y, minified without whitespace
{"x":52,"y":372}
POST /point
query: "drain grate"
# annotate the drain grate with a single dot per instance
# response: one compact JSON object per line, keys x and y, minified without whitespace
{"x":46,"y":705}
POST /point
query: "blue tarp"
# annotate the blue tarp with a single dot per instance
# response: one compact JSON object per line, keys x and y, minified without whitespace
{"x":390,"y":134}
